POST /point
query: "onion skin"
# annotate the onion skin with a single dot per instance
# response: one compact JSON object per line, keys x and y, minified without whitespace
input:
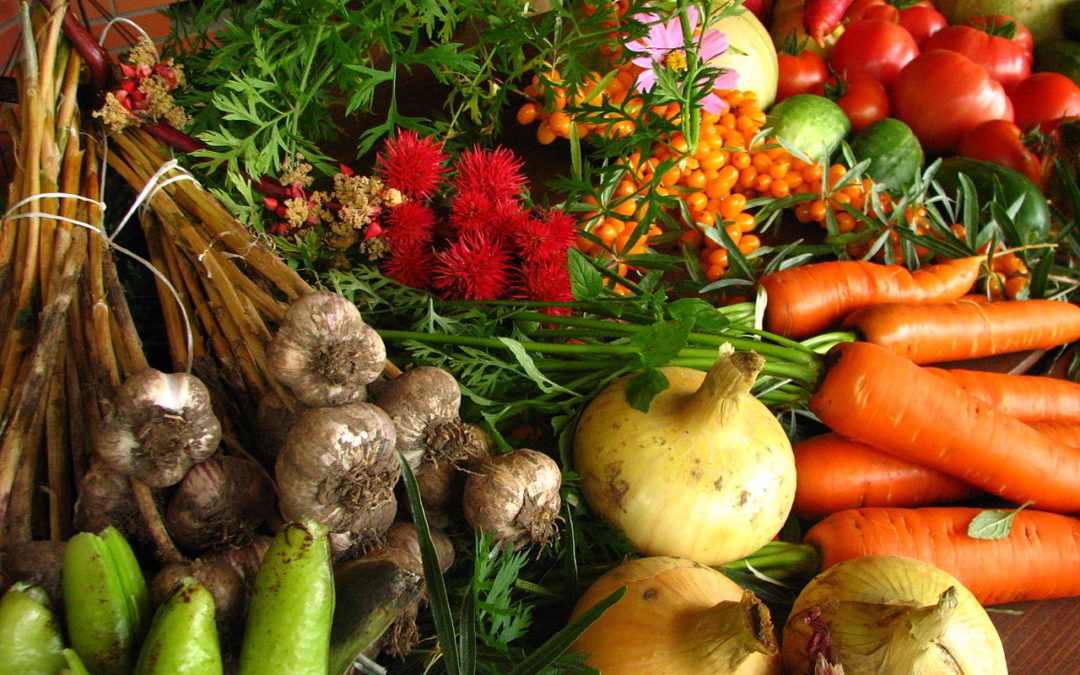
{"x":677,"y":617}
{"x":885,"y":615}
{"x":707,"y":474}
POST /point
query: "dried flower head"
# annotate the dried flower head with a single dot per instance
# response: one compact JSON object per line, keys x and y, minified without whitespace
{"x":475,"y":266}
{"x":495,"y":173}
{"x":414,"y":165}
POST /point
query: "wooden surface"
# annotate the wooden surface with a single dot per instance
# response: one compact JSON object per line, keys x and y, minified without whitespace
{"x":1040,"y":638}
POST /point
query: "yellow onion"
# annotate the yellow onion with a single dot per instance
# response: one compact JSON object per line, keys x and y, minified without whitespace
{"x":677,"y":616}
{"x":706,"y":474}
{"x":890,"y":615}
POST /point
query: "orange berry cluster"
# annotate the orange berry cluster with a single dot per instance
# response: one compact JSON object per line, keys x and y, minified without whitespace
{"x":1009,"y":275}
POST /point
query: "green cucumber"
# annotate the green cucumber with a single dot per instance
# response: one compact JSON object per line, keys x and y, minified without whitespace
{"x":1059,"y":56}
{"x":813,"y":125}
{"x":292,"y":605}
{"x":183,"y":637}
{"x":30,"y":641}
{"x":1033,"y":217}
{"x":895,"y":154}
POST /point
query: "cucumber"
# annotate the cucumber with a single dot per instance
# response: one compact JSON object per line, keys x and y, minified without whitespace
{"x":895,"y":154}
{"x":1059,"y":56}
{"x":812,"y":124}
{"x":1032,"y":219}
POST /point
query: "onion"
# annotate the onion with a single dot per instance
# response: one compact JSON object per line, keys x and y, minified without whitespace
{"x":880,"y":615}
{"x":707,"y":474}
{"x":677,"y":616}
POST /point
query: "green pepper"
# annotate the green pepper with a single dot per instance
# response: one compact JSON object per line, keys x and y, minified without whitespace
{"x":292,"y":605}
{"x":74,"y":664}
{"x":183,"y":637}
{"x":30,"y":640}
{"x":106,"y":600}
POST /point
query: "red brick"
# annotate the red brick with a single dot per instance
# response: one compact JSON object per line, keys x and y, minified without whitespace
{"x":134,"y":6}
{"x":156,"y":25}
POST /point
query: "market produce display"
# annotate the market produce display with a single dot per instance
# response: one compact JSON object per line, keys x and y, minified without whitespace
{"x":481,"y":336}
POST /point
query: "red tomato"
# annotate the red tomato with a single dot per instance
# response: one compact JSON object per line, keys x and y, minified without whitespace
{"x":875,"y":46}
{"x":861,"y":97}
{"x":941,"y":94}
{"x":1005,"y":26}
{"x":870,"y":9}
{"x":1000,"y":141}
{"x":922,"y":21}
{"x":1043,"y":99}
{"x":1007,"y":61}
{"x":799,"y":74}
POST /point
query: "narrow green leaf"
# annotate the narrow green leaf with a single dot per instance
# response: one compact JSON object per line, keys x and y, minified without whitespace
{"x":558,"y":643}
{"x":433,"y":579}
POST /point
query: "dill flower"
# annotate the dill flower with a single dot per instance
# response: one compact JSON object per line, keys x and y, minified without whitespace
{"x":475,"y":266}
{"x":416,"y":166}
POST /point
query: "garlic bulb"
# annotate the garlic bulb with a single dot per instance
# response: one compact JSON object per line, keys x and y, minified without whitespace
{"x":515,"y":497}
{"x":324,"y":352}
{"x":338,"y":467}
{"x":160,"y":425}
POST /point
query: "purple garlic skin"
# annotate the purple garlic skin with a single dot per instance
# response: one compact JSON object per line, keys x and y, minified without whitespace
{"x":515,"y":497}
{"x":324,"y":352}
{"x":160,"y":425}
{"x":338,"y":467}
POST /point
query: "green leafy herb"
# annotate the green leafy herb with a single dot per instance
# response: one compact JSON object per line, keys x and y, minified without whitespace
{"x":994,"y":523}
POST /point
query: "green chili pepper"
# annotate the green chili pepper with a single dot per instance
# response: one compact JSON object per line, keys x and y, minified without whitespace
{"x":30,"y":641}
{"x":183,"y":637}
{"x":74,"y":664}
{"x":106,"y":601}
{"x":292,"y":605}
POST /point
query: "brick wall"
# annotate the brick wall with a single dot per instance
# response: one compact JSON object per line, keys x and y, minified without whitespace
{"x":98,"y":13}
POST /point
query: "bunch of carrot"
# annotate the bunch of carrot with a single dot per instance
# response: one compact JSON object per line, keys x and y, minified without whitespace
{"x":905,"y":434}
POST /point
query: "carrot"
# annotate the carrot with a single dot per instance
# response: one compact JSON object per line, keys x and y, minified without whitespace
{"x":1037,"y":560}
{"x":806,"y":299}
{"x":1029,"y":398}
{"x":837,"y":473}
{"x":1065,"y":432}
{"x":875,"y":396}
{"x":823,"y":16}
{"x":962,"y":329}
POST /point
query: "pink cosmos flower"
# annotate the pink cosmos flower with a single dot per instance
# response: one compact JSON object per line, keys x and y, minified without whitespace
{"x":666,"y":48}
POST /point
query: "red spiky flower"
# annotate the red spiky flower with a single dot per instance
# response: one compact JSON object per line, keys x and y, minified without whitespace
{"x":416,"y":166}
{"x":494,"y":173}
{"x":546,"y":280}
{"x":475,"y":266}
{"x":545,"y":238}
{"x":409,"y":223}
{"x":411,"y":263}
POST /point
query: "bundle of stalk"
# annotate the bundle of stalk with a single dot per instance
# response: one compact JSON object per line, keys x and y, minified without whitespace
{"x":67,"y":339}
{"x":230,"y":289}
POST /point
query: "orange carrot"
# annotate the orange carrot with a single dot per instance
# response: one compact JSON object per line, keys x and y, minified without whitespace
{"x":823,"y":16}
{"x":1065,"y":432}
{"x":806,"y":299}
{"x":837,"y":473}
{"x":962,"y":329}
{"x":875,"y":396}
{"x":1038,"y":560}
{"x":1029,"y":398}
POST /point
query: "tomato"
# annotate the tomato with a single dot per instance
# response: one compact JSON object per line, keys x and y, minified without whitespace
{"x":871,"y":9}
{"x":862,"y":98}
{"x":941,"y":94}
{"x":876,"y":46}
{"x":922,"y":21}
{"x":1005,"y":26}
{"x":1007,"y":61}
{"x":800,"y":74}
{"x":1000,"y":141}
{"x":1043,"y":99}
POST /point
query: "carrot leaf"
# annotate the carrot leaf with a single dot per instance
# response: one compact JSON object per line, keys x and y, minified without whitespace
{"x":993,"y":523}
